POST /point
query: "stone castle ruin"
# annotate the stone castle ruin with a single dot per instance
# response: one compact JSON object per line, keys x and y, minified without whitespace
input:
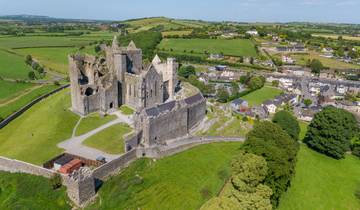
{"x":120,"y":77}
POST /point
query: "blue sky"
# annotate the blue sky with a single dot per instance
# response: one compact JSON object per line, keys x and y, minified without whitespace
{"x":345,"y":11}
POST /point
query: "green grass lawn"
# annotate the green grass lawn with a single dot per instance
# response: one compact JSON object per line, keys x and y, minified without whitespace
{"x":234,"y":47}
{"x":8,"y":109}
{"x":303,"y":129}
{"x":22,"y":191}
{"x":33,"y":136}
{"x":12,"y":89}
{"x":126,"y":110}
{"x":182,"y":181}
{"x":13,"y":66}
{"x":109,"y":140}
{"x":91,"y":122}
{"x":55,"y":59}
{"x":323,"y":183}
{"x":259,"y":96}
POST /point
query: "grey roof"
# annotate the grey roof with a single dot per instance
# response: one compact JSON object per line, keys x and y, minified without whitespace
{"x":194,"y":99}
{"x":63,"y":160}
{"x":155,"y":111}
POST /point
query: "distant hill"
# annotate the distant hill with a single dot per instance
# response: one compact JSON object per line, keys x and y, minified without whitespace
{"x":43,"y":19}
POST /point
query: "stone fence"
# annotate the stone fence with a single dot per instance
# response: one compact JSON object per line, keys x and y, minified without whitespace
{"x":114,"y":166}
{"x":17,"y":166}
{"x":28,"y":106}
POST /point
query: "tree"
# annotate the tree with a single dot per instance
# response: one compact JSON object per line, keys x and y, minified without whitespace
{"x":251,"y":60}
{"x":331,"y":131}
{"x":270,"y":141}
{"x":28,"y":60}
{"x":288,"y":123}
{"x":316,"y":66}
{"x":256,"y":82}
{"x":97,"y":48}
{"x":55,"y":181}
{"x":234,"y":88}
{"x":31,"y":75}
{"x":275,"y":83}
{"x":241,"y":59}
{"x":307,"y":102}
{"x":222,"y":95}
{"x":186,"y":71}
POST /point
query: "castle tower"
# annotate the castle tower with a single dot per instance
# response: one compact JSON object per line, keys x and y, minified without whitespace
{"x":81,"y":186}
{"x":171,"y":75}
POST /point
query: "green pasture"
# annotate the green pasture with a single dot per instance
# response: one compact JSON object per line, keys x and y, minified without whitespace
{"x":259,"y":96}
{"x":10,"y":90}
{"x":13,"y":66}
{"x":92,"y":121}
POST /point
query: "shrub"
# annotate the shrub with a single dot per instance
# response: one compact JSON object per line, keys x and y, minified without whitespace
{"x":288,"y":123}
{"x":55,"y":181}
{"x":270,"y":141}
{"x":331,"y":131}
{"x":186,"y":71}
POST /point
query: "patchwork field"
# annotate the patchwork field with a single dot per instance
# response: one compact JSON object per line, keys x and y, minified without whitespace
{"x":234,"y":47}
{"x":55,"y":59}
{"x":110,"y":140}
{"x":21,"y":191}
{"x":39,"y":130}
{"x":323,"y":183}
{"x":10,"y":106}
{"x":12,"y":89}
{"x":13,"y":66}
{"x":259,"y":96}
{"x":182,"y":181}
{"x":336,"y":36}
{"x":172,"y":33}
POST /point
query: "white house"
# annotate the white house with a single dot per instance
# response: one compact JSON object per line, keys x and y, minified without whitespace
{"x":253,"y":32}
{"x":341,"y":89}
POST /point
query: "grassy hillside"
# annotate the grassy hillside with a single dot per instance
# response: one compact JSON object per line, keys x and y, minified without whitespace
{"x":183,"y":181}
{"x":11,"y":89}
{"x":323,"y":183}
{"x":33,"y":136}
{"x":234,"y":47}
{"x":22,"y":191}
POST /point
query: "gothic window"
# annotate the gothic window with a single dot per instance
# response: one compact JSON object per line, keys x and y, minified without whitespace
{"x":155,"y":88}
{"x":129,"y":90}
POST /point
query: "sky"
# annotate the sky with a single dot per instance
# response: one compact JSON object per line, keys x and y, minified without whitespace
{"x":339,"y":11}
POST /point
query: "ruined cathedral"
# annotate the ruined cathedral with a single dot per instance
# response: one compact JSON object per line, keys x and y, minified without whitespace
{"x":105,"y":83}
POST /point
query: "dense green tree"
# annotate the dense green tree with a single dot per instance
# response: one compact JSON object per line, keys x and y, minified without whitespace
{"x":307,"y":102}
{"x":222,"y":95}
{"x":288,"y":123}
{"x":256,"y":82}
{"x":31,"y":75}
{"x":241,"y":59}
{"x":186,"y":71}
{"x":270,"y":141}
{"x":275,"y":83}
{"x":316,"y":66}
{"x":28,"y":60}
{"x":331,"y":131}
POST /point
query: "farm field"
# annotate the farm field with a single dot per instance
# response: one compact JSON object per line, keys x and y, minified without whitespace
{"x":336,"y":36}
{"x":322,"y":183}
{"x":10,"y":90}
{"x":13,"y":66}
{"x":9,"y":107}
{"x":39,"y":130}
{"x":92,"y":121}
{"x":182,"y":181}
{"x":110,"y":140}
{"x":179,"y":33}
{"x":259,"y":96}
{"x":22,"y":191}
{"x":234,"y":47}
{"x":301,"y":59}
{"x":55,"y":59}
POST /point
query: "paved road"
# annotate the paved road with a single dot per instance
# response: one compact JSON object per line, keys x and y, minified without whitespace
{"x":74,"y":144}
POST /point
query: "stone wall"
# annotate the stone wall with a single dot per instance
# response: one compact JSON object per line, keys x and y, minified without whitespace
{"x":17,"y":166}
{"x":28,"y":106}
{"x":115,"y":165}
{"x":132,"y":141}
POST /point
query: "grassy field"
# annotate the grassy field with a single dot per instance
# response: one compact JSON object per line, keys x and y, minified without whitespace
{"x":336,"y":36}
{"x":22,"y":191}
{"x":183,"y":181}
{"x":109,"y":140}
{"x":235,"y":47}
{"x":303,"y":129}
{"x":126,"y":110}
{"x":323,"y":183}
{"x":33,"y":136}
{"x":259,"y":96}
{"x":179,"y":33}
{"x":13,"y":66}
{"x":9,"y":108}
{"x":52,"y":58}
{"x":301,"y":59}
{"x":91,"y":122}
{"x":9,"y":90}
